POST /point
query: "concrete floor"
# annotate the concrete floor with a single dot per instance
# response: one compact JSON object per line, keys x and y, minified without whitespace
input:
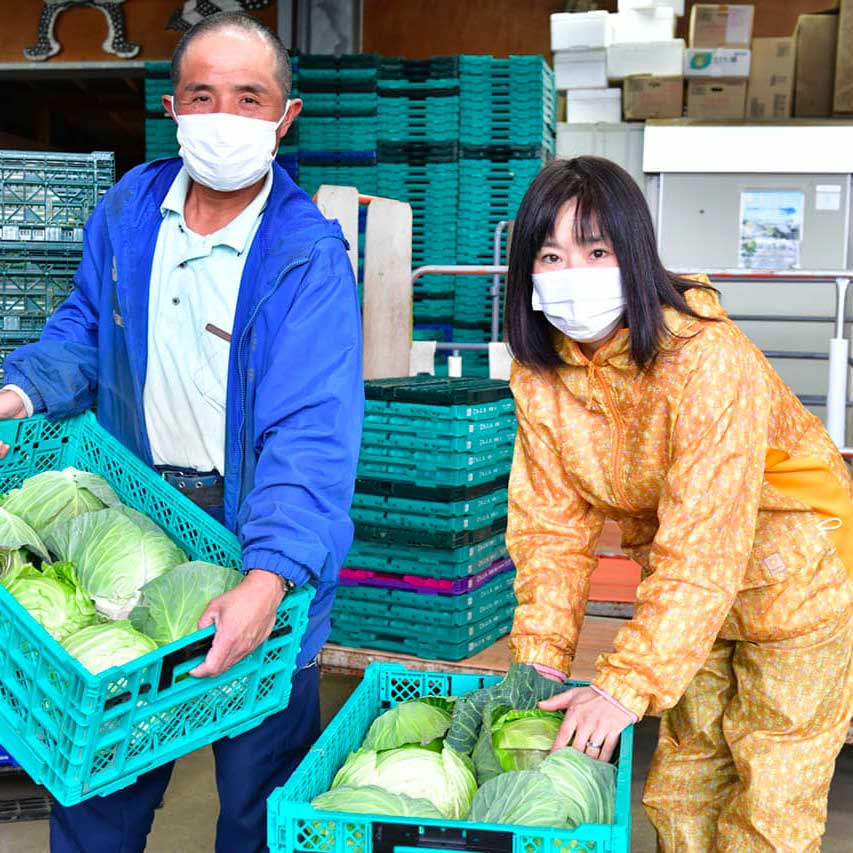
{"x":186,"y":822}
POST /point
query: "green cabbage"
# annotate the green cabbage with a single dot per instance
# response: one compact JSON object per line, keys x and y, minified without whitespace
{"x":524,"y":797}
{"x":102,"y":646}
{"x":16,"y":539}
{"x":173,"y":602}
{"x":56,"y":496}
{"x":522,"y":739}
{"x":444,"y":778}
{"x":417,"y":722}
{"x":116,"y":551}
{"x":369,"y":799}
{"x":586,"y":787}
{"x":53,"y":597}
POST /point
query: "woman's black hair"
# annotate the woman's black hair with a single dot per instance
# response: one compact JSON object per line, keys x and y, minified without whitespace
{"x":609,"y":205}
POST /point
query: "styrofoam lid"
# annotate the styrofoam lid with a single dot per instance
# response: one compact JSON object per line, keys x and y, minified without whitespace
{"x":567,"y":57}
{"x":594,"y":94}
{"x":578,"y":17}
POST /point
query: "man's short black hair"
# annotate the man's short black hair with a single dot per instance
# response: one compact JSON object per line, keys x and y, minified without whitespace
{"x":239,"y":21}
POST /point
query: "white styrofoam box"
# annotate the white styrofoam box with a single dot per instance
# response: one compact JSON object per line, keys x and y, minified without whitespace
{"x":622,"y":143}
{"x":593,"y":106}
{"x":661,"y":58}
{"x":579,"y":30}
{"x":580,"y":69}
{"x":657,"y":24}
{"x":717,"y":62}
{"x":677,"y":6}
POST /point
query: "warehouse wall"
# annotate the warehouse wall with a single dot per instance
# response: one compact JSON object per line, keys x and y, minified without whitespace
{"x":81,"y":31}
{"x":502,"y":27}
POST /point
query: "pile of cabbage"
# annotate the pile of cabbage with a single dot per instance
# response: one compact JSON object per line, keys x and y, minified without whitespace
{"x":405,"y":768}
{"x":104,"y":580}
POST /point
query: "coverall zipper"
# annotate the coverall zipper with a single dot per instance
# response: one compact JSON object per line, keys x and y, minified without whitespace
{"x":617,"y":442}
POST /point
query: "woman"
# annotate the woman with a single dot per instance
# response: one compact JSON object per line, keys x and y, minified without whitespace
{"x":639,"y":401}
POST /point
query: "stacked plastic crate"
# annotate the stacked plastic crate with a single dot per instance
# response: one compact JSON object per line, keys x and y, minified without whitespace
{"x":338,"y":123}
{"x":160,"y":136}
{"x":45,"y":199}
{"x":507,"y":126}
{"x":428,"y":573}
{"x":419,"y":164}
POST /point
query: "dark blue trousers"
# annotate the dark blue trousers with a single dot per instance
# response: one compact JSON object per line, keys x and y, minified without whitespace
{"x":248,"y":768}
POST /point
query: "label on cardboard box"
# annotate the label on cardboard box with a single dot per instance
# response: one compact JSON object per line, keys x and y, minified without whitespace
{"x":716,"y":62}
{"x":721,"y":25}
{"x":646,"y":97}
{"x":716,"y":100}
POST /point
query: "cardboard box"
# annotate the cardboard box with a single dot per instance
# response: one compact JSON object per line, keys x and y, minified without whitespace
{"x":713,"y":99}
{"x":579,"y":30}
{"x":642,"y":25}
{"x":842,"y":103}
{"x":661,"y":58}
{"x":717,"y":62}
{"x":594,"y":106}
{"x":816,"y":38}
{"x":721,"y":25}
{"x":580,"y":69}
{"x":771,"y":79}
{"x":645,"y":97}
{"x":676,"y":5}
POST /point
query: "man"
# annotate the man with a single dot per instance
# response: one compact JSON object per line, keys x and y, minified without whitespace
{"x":215,"y":326}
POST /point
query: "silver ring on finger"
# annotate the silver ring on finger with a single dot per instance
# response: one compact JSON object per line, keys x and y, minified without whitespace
{"x":591,"y":745}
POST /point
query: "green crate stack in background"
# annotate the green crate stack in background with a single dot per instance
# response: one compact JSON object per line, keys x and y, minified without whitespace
{"x":418,"y":163}
{"x":507,"y":132}
{"x":45,"y":200}
{"x":430,"y":514}
{"x":338,"y":124}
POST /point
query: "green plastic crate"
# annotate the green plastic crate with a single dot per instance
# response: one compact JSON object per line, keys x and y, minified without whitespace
{"x":383,"y":624}
{"x":48,"y":196}
{"x":450,"y":563}
{"x":295,"y":827}
{"x":431,"y":648}
{"x":81,"y":734}
{"x":426,"y":609}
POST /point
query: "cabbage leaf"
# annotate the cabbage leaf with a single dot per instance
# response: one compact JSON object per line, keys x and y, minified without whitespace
{"x":55,"y":496}
{"x":524,"y":797}
{"x":53,"y":597}
{"x":116,"y":551}
{"x":370,"y":799}
{"x":17,"y":538}
{"x":99,"y":647}
{"x":173,"y":602}
{"x":586,"y":787}
{"x":414,"y":722}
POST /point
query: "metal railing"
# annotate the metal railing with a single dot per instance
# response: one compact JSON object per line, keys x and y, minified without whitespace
{"x":836,"y":401}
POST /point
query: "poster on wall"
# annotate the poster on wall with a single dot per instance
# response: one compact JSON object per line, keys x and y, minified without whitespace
{"x":771,"y":229}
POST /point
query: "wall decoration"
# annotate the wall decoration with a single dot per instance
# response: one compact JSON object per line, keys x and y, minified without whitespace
{"x":115,"y":42}
{"x":192,"y":11}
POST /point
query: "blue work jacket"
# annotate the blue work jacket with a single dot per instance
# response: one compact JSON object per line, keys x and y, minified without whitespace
{"x":295,"y":399}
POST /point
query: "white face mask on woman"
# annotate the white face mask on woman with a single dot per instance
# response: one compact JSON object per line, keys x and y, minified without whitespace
{"x":227,"y":152}
{"x":584,"y":303}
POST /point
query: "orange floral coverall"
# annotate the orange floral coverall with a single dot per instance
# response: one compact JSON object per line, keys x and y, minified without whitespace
{"x":742,"y":631}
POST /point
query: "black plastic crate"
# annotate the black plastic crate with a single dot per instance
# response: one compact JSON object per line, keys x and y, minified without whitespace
{"x":437,"y":391}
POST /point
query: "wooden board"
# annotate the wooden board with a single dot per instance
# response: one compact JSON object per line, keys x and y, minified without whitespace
{"x":387,"y":312}
{"x":341,"y":203}
{"x":596,"y":637}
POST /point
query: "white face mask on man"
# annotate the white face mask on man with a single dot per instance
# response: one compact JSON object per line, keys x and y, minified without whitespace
{"x":226,"y":152}
{"x":584,"y":303}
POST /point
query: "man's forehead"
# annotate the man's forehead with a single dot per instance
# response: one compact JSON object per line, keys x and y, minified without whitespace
{"x":228,"y":45}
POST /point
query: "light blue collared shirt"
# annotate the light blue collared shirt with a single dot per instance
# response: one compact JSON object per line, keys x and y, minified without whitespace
{"x":195,"y":281}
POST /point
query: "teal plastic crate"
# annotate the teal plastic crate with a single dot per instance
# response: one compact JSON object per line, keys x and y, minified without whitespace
{"x":418,"y":608}
{"x":451,"y":563}
{"x":295,"y":827}
{"x":422,"y":632}
{"x":429,"y":648}
{"x":81,"y":734}
{"x":48,"y":196}
{"x":394,"y":436}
